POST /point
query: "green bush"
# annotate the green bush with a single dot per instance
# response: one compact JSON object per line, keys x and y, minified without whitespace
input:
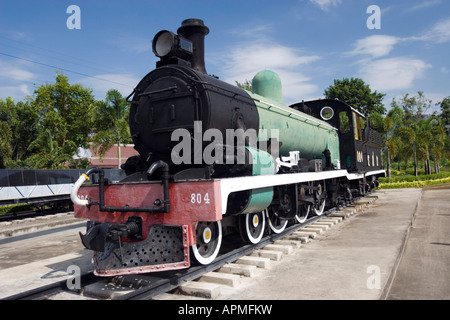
{"x":413,"y":184}
{"x":411,"y":178}
{"x":14,"y":208}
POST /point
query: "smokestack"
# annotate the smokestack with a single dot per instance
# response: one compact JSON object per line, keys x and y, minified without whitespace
{"x":195,"y":31}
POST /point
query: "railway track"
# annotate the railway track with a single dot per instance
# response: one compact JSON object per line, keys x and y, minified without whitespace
{"x":32,"y":213}
{"x":226,"y":270}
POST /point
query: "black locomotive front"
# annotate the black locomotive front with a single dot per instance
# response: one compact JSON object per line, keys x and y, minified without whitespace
{"x":179,"y":95}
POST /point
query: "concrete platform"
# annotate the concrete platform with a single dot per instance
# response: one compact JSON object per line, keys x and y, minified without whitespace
{"x":29,"y":261}
{"x":20,"y":227}
{"x":355,"y":259}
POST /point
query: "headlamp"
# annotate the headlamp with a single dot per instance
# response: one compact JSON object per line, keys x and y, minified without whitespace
{"x":167,"y":45}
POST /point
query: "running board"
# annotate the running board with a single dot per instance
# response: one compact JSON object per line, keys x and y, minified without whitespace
{"x":229,"y":185}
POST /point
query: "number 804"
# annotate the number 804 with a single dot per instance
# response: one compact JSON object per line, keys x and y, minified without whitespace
{"x":198,"y":198}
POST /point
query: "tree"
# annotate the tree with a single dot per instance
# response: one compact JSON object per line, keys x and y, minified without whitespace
{"x":445,"y":113}
{"x":358,"y":94}
{"x":438,"y":141}
{"x":407,"y":144}
{"x":64,"y":118}
{"x":247,"y":85}
{"x":111,"y":123}
{"x":416,"y":132}
{"x":386,"y":127}
{"x":425,"y":137}
{"x":47,"y":154}
{"x":22,"y":124}
{"x":5,"y":146}
{"x":414,"y":106}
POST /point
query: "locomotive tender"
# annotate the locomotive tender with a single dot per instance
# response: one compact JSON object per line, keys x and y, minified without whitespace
{"x":215,"y":160}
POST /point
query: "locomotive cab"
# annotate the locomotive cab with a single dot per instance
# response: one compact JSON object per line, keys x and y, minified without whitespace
{"x":359,"y":144}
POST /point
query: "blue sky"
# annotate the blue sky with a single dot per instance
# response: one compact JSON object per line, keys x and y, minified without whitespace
{"x":309,"y":43}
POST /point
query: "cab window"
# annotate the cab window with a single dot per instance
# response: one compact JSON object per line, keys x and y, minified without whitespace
{"x":358,"y":124}
{"x":344,"y":124}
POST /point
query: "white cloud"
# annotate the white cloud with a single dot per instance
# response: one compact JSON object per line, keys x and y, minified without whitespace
{"x":439,"y":33}
{"x":24,"y":89}
{"x":425,"y":4}
{"x":265,"y":55}
{"x":296,"y":87}
{"x":388,"y":74}
{"x":393,"y":73}
{"x":252,"y":31}
{"x":14,"y":72}
{"x":242,"y":62}
{"x":13,"y":76}
{"x":15,"y":92}
{"x":325,"y":4}
{"x":376,"y":46}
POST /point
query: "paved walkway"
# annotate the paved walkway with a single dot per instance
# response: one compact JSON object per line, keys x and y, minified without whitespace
{"x":424,"y":271}
{"x":355,"y":260}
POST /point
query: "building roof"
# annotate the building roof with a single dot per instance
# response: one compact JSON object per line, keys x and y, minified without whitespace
{"x":110,"y":159}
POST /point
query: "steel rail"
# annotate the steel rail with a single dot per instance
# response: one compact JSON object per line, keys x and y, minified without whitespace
{"x":20,"y":215}
{"x":164,"y":285}
{"x":42,"y":293}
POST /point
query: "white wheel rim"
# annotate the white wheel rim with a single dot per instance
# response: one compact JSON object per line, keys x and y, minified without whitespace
{"x":274,"y":228}
{"x":207,"y":260}
{"x":321,"y":208}
{"x":303,"y":219}
{"x":256,"y":221}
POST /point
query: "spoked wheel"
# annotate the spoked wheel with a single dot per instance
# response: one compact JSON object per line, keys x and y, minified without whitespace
{"x":252,"y":226}
{"x":303,"y":211}
{"x":320,"y":198}
{"x":209,"y":240}
{"x":276,"y":224}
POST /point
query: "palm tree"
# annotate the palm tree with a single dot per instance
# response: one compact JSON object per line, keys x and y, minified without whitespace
{"x":386,"y":126}
{"x":408,"y":144}
{"x":437,"y":143}
{"x":47,"y":153}
{"x":111,"y":119}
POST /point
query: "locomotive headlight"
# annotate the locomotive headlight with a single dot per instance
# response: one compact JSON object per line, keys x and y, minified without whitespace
{"x":163,"y":43}
{"x":167,"y":44}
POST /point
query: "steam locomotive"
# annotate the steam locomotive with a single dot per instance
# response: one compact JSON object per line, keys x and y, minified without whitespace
{"x":215,"y":160}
